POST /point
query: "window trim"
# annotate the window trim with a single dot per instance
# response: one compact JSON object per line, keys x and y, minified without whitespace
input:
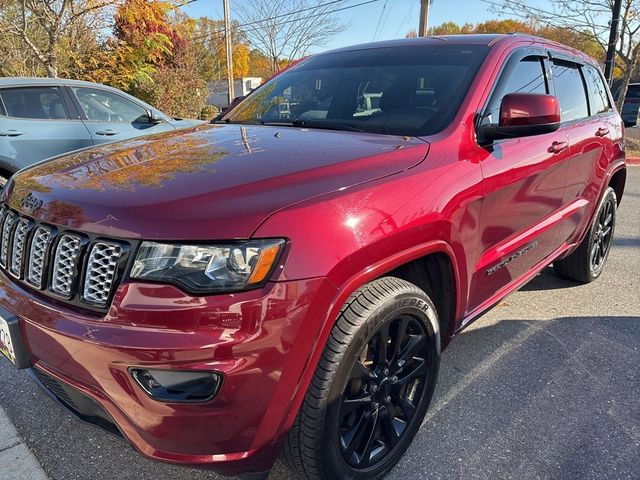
{"x":585,"y":90}
{"x":604,"y":83}
{"x":62,"y":96}
{"x":514,"y":57}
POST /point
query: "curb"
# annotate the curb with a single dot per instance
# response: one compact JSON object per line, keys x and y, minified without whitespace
{"x":17,"y":461}
{"x":633,"y":161}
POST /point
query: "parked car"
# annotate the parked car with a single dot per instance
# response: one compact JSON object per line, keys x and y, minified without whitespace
{"x":631,"y":105}
{"x":42,"y":118}
{"x":288,"y":281}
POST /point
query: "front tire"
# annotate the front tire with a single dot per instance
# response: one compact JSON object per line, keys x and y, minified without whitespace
{"x":372,"y":386}
{"x":587,"y":262}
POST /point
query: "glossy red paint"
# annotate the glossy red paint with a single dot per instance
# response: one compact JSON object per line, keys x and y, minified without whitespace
{"x":352,"y":207}
{"x":526,"y":109}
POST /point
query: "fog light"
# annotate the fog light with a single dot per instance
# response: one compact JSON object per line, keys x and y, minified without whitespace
{"x":172,"y":386}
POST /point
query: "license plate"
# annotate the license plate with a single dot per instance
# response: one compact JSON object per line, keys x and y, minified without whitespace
{"x":6,"y":344}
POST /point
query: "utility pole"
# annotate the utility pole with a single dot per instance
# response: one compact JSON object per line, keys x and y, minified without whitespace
{"x":227,"y":39}
{"x":613,"y":39}
{"x":424,"y":17}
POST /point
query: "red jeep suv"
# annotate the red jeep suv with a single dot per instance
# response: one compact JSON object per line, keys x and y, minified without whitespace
{"x":285,"y":278}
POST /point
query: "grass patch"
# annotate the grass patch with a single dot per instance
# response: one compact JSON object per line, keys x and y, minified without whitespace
{"x":633,"y":147}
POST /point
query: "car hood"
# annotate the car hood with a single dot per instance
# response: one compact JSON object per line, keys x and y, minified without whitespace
{"x":212,"y":182}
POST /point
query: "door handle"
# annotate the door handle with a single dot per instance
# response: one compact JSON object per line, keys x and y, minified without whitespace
{"x":557,"y":147}
{"x":108,"y":132}
{"x":602,"y":131}
{"x":10,"y":133}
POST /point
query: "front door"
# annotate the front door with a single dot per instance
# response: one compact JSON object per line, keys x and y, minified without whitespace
{"x":111,"y":117}
{"x":524,"y":182}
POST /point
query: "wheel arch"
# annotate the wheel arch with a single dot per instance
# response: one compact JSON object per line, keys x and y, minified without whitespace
{"x":437,"y":253}
{"x":617,"y":182}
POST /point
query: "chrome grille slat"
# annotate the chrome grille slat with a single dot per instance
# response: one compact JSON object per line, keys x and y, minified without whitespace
{"x":64,"y":264}
{"x":17,"y":250}
{"x":101,"y":272}
{"x":37,"y":256}
{"x":7,"y":224}
{"x":26,"y":253}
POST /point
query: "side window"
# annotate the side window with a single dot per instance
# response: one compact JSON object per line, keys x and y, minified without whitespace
{"x":526,"y":77}
{"x":570,"y":91}
{"x":597,"y":90}
{"x":43,"y":103}
{"x":103,"y":106}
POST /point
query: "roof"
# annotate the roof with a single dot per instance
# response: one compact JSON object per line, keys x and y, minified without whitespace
{"x":30,"y":81}
{"x":488,"y":39}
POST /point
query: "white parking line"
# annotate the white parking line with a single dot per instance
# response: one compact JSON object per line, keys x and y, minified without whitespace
{"x":18,"y":463}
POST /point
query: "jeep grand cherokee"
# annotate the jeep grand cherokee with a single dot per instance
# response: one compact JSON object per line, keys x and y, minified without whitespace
{"x":285,"y":279}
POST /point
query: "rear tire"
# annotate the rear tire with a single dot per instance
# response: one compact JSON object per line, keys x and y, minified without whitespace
{"x":587,"y":262}
{"x":372,"y":386}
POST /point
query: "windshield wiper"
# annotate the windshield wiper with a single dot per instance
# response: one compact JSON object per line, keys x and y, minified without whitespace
{"x":303,"y":123}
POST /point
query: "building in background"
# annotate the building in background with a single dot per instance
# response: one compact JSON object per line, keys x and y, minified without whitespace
{"x":218,"y":90}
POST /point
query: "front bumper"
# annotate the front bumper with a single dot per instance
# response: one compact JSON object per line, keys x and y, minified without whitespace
{"x":260,"y":341}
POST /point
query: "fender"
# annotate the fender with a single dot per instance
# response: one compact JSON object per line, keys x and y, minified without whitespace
{"x":356,"y":281}
{"x":614,"y":167}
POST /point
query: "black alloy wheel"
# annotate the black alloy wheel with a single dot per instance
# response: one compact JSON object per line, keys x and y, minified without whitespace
{"x":372,"y":386}
{"x":588,"y":260}
{"x":603,"y":236}
{"x":385,"y":385}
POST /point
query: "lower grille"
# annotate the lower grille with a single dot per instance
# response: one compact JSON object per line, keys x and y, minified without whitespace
{"x":80,"y":405}
{"x":55,"y":387}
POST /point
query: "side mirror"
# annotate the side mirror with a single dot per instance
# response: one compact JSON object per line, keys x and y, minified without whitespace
{"x":154,"y":117}
{"x":524,"y":115}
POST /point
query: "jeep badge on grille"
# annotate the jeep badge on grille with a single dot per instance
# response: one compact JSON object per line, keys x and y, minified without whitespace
{"x":31,"y":203}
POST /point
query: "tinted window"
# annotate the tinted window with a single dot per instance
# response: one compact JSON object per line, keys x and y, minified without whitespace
{"x":597,"y":90}
{"x":394,"y":90}
{"x":34,"y":102}
{"x":633,"y":91}
{"x":526,"y":77}
{"x":103,"y":106}
{"x":570,"y":91}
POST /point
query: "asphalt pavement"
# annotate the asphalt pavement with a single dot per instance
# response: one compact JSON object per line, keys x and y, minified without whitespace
{"x":545,"y":385}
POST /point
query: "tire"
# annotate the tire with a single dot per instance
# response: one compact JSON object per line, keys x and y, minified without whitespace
{"x":353,"y":397}
{"x":587,"y":262}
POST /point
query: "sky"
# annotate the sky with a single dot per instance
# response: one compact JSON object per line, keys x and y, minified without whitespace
{"x":393,"y":18}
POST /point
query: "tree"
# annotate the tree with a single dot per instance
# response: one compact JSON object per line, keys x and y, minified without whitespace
{"x":590,"y":18}
{"x":295,"y":27}
{"x":41,"y":25}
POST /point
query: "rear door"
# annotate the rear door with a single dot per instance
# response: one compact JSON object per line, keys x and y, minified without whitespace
{"x":523,"y":187}
{"x":111,"y":117}
{"x":587,"y":111}
{"x":37,"y":123}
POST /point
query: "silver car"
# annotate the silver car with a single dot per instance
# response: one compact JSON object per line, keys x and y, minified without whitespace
{"x":43,"y":117}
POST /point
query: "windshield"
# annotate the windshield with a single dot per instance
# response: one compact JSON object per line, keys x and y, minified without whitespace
{"x":408,"y":90}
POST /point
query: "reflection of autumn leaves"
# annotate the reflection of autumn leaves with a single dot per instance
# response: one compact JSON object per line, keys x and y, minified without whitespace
{"x":248,"y":110}
{"x":135,"y":163}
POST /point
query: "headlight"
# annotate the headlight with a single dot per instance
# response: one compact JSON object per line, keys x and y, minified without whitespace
{"x":208,"y":268}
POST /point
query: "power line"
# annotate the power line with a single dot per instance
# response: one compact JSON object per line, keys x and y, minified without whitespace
{"x":406,"y":19}
{"x":384,"y":7}
{"x":216,"y":32}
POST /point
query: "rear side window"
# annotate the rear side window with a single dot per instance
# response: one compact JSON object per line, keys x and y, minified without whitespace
{"x":526,"y":77}
{"x":44,"y":103}
{"x":570,"y":91}
{"x":597,"y":90}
